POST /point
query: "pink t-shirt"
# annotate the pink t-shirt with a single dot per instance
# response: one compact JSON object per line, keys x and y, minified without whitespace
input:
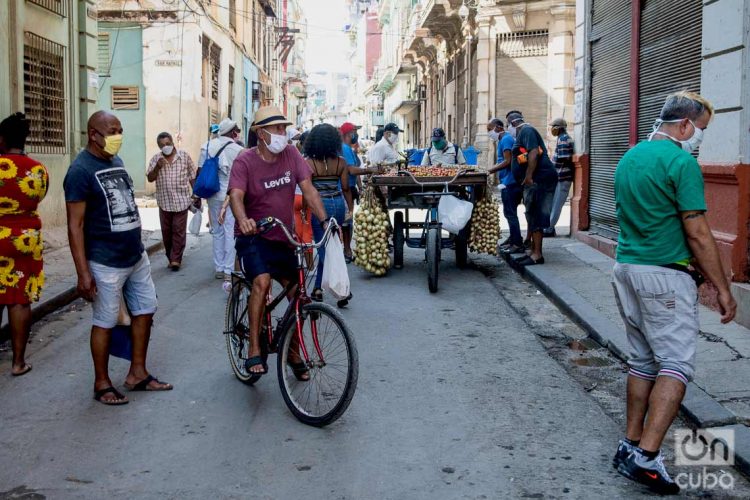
{"x":269,"y":187}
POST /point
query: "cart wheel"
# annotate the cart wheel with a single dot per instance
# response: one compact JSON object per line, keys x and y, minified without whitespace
{"x":433,"y":258}
{"x":461,"y":245}
{"x":399,"y":236}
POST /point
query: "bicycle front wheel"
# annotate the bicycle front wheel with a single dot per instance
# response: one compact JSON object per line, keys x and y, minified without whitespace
{"x":332,"y":382}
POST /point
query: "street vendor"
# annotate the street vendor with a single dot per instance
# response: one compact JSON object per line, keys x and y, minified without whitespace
{"x":384,"y":150}
{"x":441,"y":152}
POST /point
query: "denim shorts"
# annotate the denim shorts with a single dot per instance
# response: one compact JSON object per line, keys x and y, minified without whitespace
{"x":258,"y":256}
{"x":134,"y":283}
{"x":538,"y":199}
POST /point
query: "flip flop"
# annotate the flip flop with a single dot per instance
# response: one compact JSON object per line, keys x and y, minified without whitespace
{"x":143,"y":385}
{"x":26,"y":369}
{"x":121,"y":399}
{"x":253,"y":361}
{"x":528,"y":261}
{"x":299,"y":369}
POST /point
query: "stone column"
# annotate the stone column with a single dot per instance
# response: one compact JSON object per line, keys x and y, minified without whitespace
{"x":561,"y":62}
{"x":483,"y":103}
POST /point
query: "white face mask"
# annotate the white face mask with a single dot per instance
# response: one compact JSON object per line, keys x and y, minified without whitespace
{"x":278,"y":143}
{"x":689,"y":145}
{"x":494,"y":135}
{"x":167,"y":150}
{"x":512,"y":131}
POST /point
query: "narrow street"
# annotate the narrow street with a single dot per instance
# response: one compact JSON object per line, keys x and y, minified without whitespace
{"x":457,"y":398}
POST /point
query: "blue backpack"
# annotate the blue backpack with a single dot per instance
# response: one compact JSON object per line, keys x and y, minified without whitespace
{"x":207,"y":183}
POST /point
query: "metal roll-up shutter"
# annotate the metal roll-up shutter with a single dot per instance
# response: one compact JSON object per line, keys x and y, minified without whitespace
{"x":610,"y":110}
{"x":670,"y":56}
{"x":521,"y":81}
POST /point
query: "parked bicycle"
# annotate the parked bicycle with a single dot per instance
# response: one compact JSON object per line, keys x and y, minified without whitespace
{"x":315,"y":331}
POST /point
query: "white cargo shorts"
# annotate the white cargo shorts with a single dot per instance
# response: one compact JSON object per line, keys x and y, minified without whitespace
{"x":659,"y":307}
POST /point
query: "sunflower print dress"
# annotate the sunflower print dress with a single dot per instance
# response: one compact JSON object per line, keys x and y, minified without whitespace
{"x":23,"y":185}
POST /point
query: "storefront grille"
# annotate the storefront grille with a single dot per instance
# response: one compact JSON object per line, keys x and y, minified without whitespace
{"x":44,"y":94}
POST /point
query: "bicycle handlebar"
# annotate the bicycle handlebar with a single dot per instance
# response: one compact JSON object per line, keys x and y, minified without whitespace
{"x":266,"y":224}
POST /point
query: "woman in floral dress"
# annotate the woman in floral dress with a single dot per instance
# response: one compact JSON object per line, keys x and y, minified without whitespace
{"x":23,"y":185}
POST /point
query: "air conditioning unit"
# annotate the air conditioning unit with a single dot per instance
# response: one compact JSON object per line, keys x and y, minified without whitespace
{"x":422,"y":92}
{"x":256,"y":92}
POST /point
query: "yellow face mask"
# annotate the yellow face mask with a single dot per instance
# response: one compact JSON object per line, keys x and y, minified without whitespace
{"x":112,"y":144}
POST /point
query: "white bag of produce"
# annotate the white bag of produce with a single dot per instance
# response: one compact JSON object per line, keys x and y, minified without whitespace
{"x":195,"y":222}
{"x":335,"y":275}
{"x":453,"y":213}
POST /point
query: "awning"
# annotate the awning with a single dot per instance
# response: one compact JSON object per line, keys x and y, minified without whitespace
{"x":406,"y":107}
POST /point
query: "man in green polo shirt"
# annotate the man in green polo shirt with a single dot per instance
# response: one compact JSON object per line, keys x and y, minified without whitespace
{"x":663,"y":229}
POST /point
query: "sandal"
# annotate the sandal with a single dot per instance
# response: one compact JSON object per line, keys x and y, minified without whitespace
{"x":300,"y":370}
{"x":348,"y":258}
{"x":143,"y":385}
{"x":344,"y":302}
{"x":254,"y":361}
{"x":121,"y":399}
{"x":26,"y":369}
{"x":528,"y":261}
{"x":317,"y":295}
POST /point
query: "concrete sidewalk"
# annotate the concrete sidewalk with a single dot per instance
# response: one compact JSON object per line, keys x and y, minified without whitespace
{"x":578,"y":279}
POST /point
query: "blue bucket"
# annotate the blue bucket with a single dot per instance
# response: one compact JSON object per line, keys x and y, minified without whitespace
{"x":415,"y":156}
{"x":471,"y":154}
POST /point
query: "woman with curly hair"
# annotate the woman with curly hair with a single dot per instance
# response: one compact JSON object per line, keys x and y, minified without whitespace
{"x":23,"y":185}
{"x":331,"y":179}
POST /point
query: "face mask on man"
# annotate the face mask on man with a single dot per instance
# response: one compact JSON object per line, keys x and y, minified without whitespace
{"x":112,"y":143}
{"x":689,"y":145}
{"x":167,"y":150}
{"x":392,"y":138}
{"x":354,"y":139}
{"x":278,"y":143}
{"x":440,"y":144}
{"x":513,"y":131}
{"x":494,"y":135}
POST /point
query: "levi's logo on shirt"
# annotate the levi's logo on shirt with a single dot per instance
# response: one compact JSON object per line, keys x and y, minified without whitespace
{"x":277,"y":183}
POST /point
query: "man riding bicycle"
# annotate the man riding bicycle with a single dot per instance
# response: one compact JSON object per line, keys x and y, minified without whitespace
{"x":262,"y":184}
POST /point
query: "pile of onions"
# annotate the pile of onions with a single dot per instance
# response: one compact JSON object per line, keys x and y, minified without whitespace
{"x":485,"y":226}
{"x":371,"y":228}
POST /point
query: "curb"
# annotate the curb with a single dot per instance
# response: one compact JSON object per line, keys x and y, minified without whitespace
{"x":700,"y":408}
{"x":62,"y":299}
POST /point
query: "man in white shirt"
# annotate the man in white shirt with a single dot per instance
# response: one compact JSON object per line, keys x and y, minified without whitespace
{"x":223,"y":233}
{"x":442,"y":152}
{"x":383,"y":151}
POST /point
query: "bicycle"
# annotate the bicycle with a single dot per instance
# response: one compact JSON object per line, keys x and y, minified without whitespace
{"x":314,"y":330}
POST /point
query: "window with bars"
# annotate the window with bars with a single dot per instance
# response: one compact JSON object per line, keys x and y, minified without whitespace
{"x":523,"y":43}
{"x":125,"y":97}
{"x":103,"y":54}
{"x":215,"y":63}
{"x":44,"y":94}
{"x":233,"y":15}
{"x":205,"y":44}
{"x":231,"y":92}
{"x":57,"y":6}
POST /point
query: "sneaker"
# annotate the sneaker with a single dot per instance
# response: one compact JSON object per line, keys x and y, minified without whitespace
{"x":623,"y":450}
{"x":652,"y":473}
{"x":505,"y":242}
{"x":219,"y":275}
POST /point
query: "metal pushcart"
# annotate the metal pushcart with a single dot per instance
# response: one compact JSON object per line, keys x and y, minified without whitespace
{"x":404,"y":192}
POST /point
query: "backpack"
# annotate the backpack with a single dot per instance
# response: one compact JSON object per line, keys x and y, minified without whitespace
{"x":455,"y":149}
{"x":207,"y":184}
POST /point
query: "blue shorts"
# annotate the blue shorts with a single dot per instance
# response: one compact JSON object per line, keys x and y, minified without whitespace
{"x":257,"y":256}
{"x":134,"y":283}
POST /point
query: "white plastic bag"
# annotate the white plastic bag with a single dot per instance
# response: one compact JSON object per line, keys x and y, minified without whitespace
{"x":453,"y":213}
{"x":335,"y":275}
{"x":195,"y":222}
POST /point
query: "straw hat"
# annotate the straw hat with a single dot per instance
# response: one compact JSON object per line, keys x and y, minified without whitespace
{"x":267,"y":116}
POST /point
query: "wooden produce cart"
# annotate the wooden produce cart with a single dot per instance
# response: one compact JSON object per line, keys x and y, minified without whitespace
{"x":405,"y":191}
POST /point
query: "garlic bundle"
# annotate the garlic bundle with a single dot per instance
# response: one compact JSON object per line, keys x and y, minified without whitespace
{"x":371,"y":228}
{"x":485,"y":226}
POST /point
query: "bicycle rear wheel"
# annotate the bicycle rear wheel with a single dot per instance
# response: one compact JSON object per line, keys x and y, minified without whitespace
{"x":237,"y":331}
{"x":323,"y":398}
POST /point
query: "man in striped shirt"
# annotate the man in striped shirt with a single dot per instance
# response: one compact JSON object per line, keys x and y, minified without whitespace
{"x":563,"y":160}
{"x":174,"y":173}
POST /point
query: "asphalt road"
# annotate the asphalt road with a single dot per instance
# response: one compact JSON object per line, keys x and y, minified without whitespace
{"x":457,"y":398}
